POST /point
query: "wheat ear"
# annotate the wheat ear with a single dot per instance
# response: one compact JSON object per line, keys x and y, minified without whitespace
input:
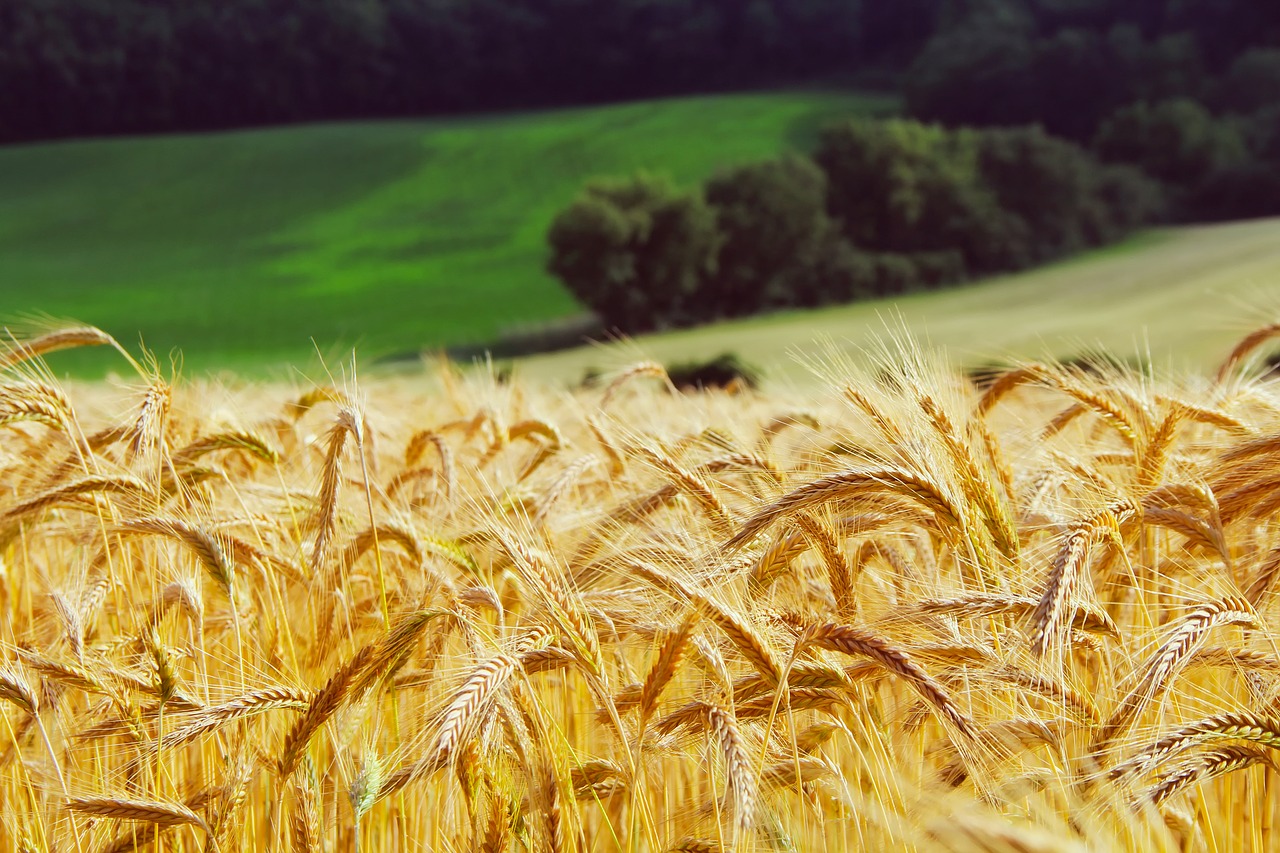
{"x":248,"y":704}
{"x":839,"y":571}
{"x":116,"y":483}
{"x":749,"y":642}
{"x":737,"y":765}
{"x":1214,"y":762}
{"x":485,"y":680}
{"x":665,"y":666}
{"x":995,"y":514}
{"x":1241,"y":351}
{"x":144,"y":811}
{"x":853,"y":641}
{"x":326,"y":702}
{"x":1262,"y":729}
{"x":849,"y":485}
{"x":347,"y":424}
{"x":1169,"y":659}
{"x":1049,"y":618}
{"x":60,"y":339}
{"x":208,"y":547}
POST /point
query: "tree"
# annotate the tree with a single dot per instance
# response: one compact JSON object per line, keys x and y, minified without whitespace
{"x":1262,"y":134}
{"x":1176,"y":141}
{"x":906,"y":187}
{"x":1164,"y":68}
{"x":1066,"y":199}
{"x":1074,"y":76}
{"x":1226,"y":27}
{"x":106,"y":66}
{"x":636,"y":251}
{"x":895,"y":32}
{"x":773,"y":222}
{"x":1252,"y":83}
{"x":973,"y":76}
{"x":883,"y":179}
{"x":1127,"y":199}
{"x":1236,"y":191}
{"x":1000,"y":199}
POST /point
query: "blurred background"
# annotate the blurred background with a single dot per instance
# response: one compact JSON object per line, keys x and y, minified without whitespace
{"x":258,"y":182}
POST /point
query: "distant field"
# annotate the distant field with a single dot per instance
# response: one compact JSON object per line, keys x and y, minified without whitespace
{"x":1184,"y":294}
{"x":241,"y":247}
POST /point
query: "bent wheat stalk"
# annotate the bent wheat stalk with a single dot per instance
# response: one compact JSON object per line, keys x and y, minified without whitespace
{"x":144,"y":811}
{"x":1215,"y":762}
{"x":852,"y":641}
{"x":1169,"y":659}
{"x":849,"y":485}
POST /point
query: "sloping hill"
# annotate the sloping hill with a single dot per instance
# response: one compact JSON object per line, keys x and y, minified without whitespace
{"x":242,"y":247}
{"x":1185,"y":295}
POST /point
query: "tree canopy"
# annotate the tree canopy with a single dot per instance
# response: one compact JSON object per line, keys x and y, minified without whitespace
{"x":884,"y":207}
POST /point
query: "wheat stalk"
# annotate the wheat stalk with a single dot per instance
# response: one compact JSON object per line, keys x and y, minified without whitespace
{"x":1169,"y":659}
{"x":1242,"y":350}
{"x":144,"y":811}
{"x":59,"y":339}
{"x":849,"y":485}
{"x":853,"y":641}
{"x":1207,"y":765}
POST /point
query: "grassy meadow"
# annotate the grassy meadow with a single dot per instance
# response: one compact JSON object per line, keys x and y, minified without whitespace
{"x":454,"y":613}
{"x":242,"y":247}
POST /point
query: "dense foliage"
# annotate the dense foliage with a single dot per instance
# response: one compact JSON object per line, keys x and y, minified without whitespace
{"x":108,"y":66}
{"x":638,"y":247}
{"x":1072,"y":123}
{"x":74,"y":67}
{"x":1187,"y":91}
{"x":883,"y":208}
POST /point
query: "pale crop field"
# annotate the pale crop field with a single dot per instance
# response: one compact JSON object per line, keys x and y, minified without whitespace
{"x":452,"y":613}
{"x":1171,"y":296}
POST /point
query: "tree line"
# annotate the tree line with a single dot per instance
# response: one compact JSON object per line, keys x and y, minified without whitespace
{"x":881,"y":208}
{"x":79,"y":67}
{"x":1187,"y":91}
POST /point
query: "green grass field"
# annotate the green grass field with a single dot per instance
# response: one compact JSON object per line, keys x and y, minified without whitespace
{"x":1181,"y":297}
{"x":391,"y":236}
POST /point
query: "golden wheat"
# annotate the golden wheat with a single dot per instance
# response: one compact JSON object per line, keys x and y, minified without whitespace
{"x":498,"y":616}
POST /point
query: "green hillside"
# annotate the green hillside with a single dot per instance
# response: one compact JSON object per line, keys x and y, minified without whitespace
{"x":242,"y":247}
{"x":1182,"y":295}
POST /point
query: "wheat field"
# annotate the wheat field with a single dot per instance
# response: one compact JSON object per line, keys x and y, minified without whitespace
{"x":457,"y":613}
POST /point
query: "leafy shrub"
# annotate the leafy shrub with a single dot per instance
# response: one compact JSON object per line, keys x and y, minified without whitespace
{"x":636,"y":251}
{"x":773,"y":223}
{"x":1251,"y":84}
{"x":1176,"y":141}
{"x":1239,"y":190}
{"x":884,"y":208}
